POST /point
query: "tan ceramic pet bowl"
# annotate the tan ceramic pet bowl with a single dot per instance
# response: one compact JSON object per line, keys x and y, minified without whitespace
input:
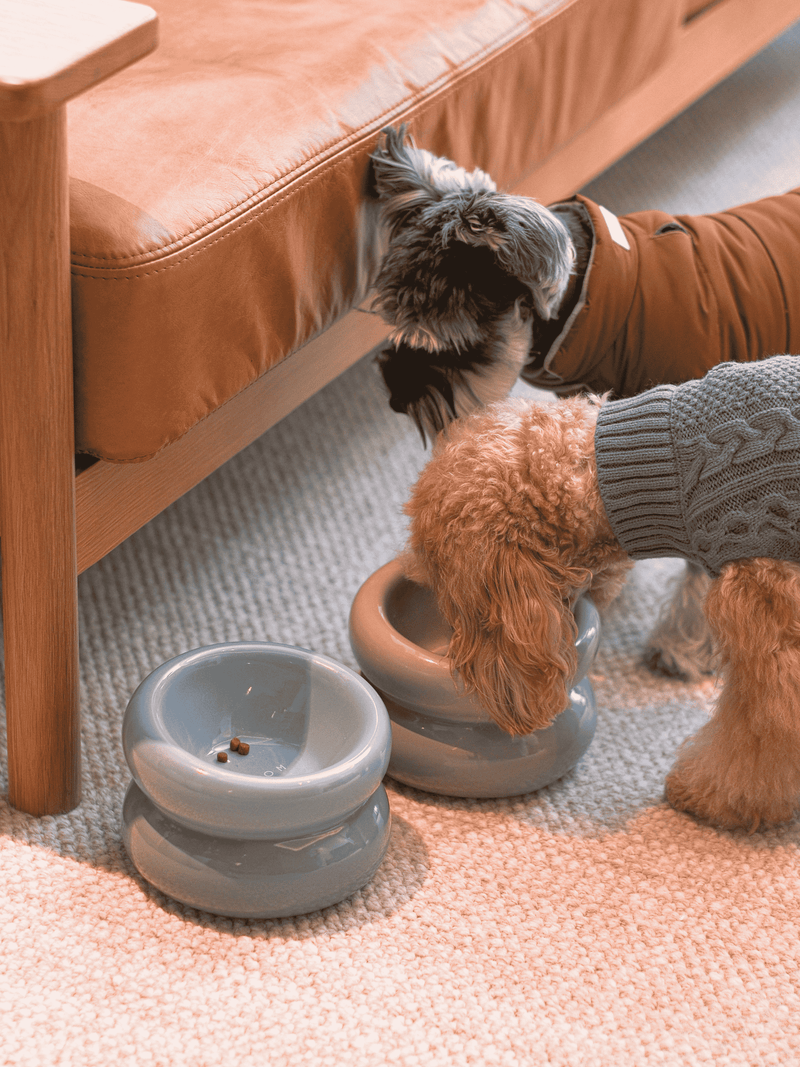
{"x":442,"y":741}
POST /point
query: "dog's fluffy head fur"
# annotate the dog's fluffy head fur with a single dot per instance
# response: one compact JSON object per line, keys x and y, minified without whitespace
{"x":507,"y":528}
{"x":465,"y":269}
{"x":456,"y":242}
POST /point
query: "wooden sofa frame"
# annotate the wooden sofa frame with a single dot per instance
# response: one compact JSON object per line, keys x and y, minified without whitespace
{"x":54,"y":523}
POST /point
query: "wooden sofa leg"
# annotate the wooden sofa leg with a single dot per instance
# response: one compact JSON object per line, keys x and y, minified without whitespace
{"x":37,"y":474}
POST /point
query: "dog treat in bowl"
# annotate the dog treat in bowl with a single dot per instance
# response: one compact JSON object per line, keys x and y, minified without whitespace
{"x":299,"y":824}
{"x":442,"y":741}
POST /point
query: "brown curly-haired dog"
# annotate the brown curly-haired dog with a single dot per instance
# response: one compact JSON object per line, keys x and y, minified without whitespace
{"x":524,"y":506}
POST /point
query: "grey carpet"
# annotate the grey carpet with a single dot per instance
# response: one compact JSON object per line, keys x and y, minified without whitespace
{"x":584,"y":925}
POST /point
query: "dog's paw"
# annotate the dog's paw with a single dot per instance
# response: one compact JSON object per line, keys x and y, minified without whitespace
{"x":687,"y":790}
{"x":676,"y":663}
{"x":660,"y":663}
{"x":683,"y":793}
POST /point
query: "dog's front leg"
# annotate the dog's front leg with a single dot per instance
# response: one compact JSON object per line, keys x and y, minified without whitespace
{"x":742,"y":768}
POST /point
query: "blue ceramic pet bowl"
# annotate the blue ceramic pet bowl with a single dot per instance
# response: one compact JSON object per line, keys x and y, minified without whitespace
{"x":299,"y":822}
{"x":442,"y":741}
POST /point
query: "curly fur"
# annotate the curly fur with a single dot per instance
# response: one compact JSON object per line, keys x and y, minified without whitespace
{"x":508,"y":528}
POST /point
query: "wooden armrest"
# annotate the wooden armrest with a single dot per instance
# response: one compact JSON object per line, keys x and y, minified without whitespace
{"x":53,"y":50}
{"x":50,"y":51}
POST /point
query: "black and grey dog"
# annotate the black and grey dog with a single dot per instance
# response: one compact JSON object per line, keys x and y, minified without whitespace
{"x":481,"y":287}
{"x":475,"y":284}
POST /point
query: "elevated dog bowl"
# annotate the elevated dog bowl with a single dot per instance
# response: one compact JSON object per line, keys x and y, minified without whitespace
{"x":299,"y":822}
{"x":442,"y":741}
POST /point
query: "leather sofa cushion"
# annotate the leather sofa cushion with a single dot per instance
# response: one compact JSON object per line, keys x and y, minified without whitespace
{"x":220,"y":209}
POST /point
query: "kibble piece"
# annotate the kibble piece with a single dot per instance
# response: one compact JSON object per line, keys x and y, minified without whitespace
{"x":222,"y":757}
{"x":235,"y":742}
{"x":244,"y":748}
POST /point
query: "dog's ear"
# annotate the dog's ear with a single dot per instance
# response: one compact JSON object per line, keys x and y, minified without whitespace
{"x":530,"y":242}
{"x":513,"y":642}
{"x":418,"y":387}
{"x":408,"y":178}
{"x":433,"y":389}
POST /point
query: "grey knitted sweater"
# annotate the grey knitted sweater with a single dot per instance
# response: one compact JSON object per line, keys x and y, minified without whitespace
{"x":708,"y":470}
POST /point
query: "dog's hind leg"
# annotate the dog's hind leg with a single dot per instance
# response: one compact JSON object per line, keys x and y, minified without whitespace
{"x":681,"y":644}
{"x":742,"y":768}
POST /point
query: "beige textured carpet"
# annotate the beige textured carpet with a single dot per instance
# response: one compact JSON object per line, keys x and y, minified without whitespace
{"x":587,"y":925}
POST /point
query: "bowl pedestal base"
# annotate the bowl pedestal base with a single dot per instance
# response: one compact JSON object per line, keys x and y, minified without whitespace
{"x":478,"y":759}
{"x":257,"y":878}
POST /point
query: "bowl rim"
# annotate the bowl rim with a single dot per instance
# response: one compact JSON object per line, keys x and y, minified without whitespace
{"x":143,"y":717}
{"x":415,"y":658}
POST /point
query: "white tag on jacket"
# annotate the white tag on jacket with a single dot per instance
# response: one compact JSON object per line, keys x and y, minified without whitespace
{"x":614,"y":228}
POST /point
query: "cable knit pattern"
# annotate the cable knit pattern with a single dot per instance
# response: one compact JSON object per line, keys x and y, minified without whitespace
{"x":710,"y":469}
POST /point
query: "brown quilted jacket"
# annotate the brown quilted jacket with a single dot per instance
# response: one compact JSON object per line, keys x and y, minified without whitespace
{"x":691,"y":291}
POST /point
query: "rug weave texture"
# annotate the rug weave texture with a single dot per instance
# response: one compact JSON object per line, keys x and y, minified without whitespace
{"x":587,"y":925}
